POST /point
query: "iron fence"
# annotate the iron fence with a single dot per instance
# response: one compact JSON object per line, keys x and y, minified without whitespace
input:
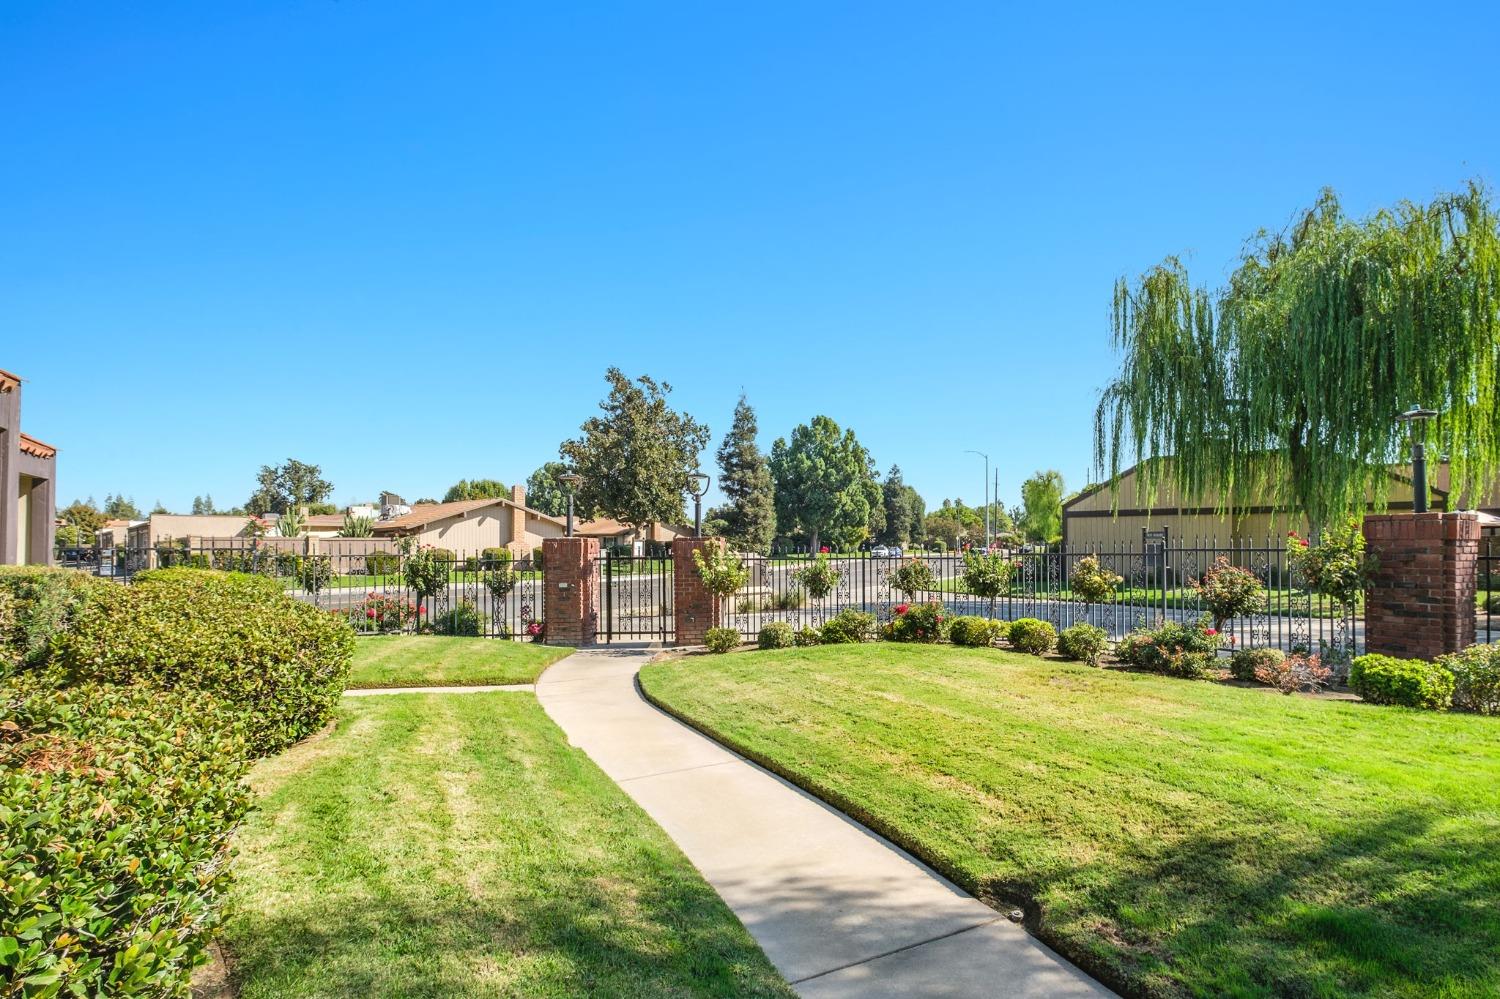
{"x":482,"y":595}
{"x":1156,"y":585}
{"x":636,"y":595}
{"x":1487,"y":594}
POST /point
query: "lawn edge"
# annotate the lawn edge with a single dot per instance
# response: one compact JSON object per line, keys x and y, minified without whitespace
{"x":1105,"y":974}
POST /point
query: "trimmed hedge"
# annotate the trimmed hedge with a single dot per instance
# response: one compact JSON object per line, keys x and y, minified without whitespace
{"x":43,"y":602}
{"x":1476,"y":678}
{"x":776,"y":635}
{"x":1031,"y":635}
{"x":721,"y":640}
{"x":849,"y":627}
{"x":282,"y":661}
{"x":1084,"y":642}
{"x":1244,"y":662}
{"x":1412,"y":683}
{"x":460,"y":619}
{"x":116,"y":808}
{"x":975,"y":632}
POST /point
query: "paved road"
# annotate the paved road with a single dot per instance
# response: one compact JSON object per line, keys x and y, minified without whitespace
{"x":840,"y":912}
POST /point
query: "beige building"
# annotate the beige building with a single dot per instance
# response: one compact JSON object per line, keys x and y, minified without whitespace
{"x":612,"y":532}
{"x":470,"y":526}
{"x":1100,"y":517}
{"x":28,"y":485}
{"x":164,"y":528}
{"x":114,"y":534}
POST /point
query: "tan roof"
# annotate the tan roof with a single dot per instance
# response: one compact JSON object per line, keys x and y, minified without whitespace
{"x":428,"y":513}
{"x":9,"y":381}
{"x":324,"y":520}
{"x":608,"y":527}
{"x":36,"y":448}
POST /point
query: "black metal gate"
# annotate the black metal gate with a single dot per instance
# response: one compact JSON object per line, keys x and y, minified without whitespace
{"x":636,"y":591}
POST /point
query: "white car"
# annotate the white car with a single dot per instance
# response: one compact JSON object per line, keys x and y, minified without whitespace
{"x":880,"y":551}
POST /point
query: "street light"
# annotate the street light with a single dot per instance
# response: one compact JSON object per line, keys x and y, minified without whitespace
{"x":571,"y":481}
{"x":986,"y":493}
{"x":697,"y":487}
{"x":1418,"y":417}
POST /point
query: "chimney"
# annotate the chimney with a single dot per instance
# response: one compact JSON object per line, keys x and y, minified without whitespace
{"x":518,"y":495}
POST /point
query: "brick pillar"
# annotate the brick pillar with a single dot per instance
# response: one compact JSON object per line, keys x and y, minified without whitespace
{"x":1421,"y":598}
{"x":692,"y":604}
{"x":570,"y":608}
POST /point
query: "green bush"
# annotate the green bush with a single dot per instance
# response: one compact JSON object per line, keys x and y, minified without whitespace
{"x":912,"y":577}
{"x":1476,"y":678}
{"x":1174,"y":649}
{"x":808,"y":636}
{"x":536,"y":557}
{"x":444,"y":555}
{"x":975,"y":632}
{"x":1092,"y":582}
{"x":460,"y":619}
{"x":1412,"y":683}
{"x":43,"y":604}
{"x":382,"y":563}
{"x":116,"y":809}
{"x":721,"y":640}
{"x":314,"y":572}
{"x":776,"y":635}
{"x":849,"y":627}
{"x":817,"y":577}
{"x":924,"y":622}
{"x":282,"y":661}
{"x":494,"y":557}
{"x":1084,"y":642}
{"x":1032,"y":636}
{"x":1244,"y":662}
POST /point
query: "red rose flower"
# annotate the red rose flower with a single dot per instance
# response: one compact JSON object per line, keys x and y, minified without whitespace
{"x":1210,"y":631}
{"x":902,"y":608}
{"x":369,"y":613}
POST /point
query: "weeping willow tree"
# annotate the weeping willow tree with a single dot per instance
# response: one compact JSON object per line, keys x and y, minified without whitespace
{"x":1286,"y":382}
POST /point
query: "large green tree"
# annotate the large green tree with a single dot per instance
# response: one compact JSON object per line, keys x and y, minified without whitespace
{"x":1042,"y":498}
{"x":748,"y":517}
{"x":82,"y":515}
{"x":1286,"y":381}
{"x":472,"y":489}
{"x":544,"y":493}
{"x":635,"y":456}
{"x":825,"y":484}
{"x":904,"y":510}
{"x":279,"y":488}
{"x":121,"y":508}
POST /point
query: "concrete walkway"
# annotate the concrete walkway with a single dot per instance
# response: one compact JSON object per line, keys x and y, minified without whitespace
{"x":480,"y":689}
{"x":838,"y":910}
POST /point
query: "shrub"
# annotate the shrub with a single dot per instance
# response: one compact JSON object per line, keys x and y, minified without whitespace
{"x":1032,"y":636}
{"x":382,"y":563}
{"x":116,"y":809}
{"x":1229,"y":591}
{"x":912,"y":577}
{"x":923,"y":622}
{"x":988,"y":576}
{"x":494,"y":557}
{"x":721,"y":640}
{"x":1245,"y":664}
{"x":1173,"y":649}
{"x":380,"y":612}
{"x":1412,"y":683}
{"x":536,"y":557}
{"x":1290,"y":674}
{"x":1092,"y":582}
{"x":975,"y":632}
{"x":280,"y":660}
{"x":1084,"y":642}
{"x":43,"y":604}
{"x":1476,"y":678}
{"x":1336,"y":566}
{"x":808,"y":636}
{"x":460,"y":619}
{"x":501,"y":581}
{"x":818,"y":577}
{"x":425,"y":571}
{"x":783,"y":600}
{"x":442,"y":554}
{"x":314,"y":572}
{"x":848,"y":627}
{"x":721,"y":570}
{"x":776,"y":635}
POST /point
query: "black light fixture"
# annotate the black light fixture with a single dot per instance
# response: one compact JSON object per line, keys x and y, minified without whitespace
{"x":697,"y":487}
{"x":1418,"y":417}
{"x":571,"y":480}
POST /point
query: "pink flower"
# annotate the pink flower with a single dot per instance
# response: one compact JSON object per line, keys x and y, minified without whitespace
{"x":370,"y":613}
{"x":902,"y":608}
{"x":1210,"y":631}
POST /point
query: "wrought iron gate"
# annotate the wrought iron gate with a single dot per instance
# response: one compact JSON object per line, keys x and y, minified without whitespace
{"x":636,"y":591}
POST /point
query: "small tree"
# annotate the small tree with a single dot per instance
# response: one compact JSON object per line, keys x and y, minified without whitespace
{"x":913,"y":577}
{"x":988,"y":576}
{"x":1336,"y":567}
{"x":722,"y":572}
{"x":818,"y":577}
{"x":1228,"y":591}
{"x":425,"y":572}
{"x":1093,"y":582}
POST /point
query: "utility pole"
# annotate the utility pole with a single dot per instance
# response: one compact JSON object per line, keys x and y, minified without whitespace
{"x":986,"y":493}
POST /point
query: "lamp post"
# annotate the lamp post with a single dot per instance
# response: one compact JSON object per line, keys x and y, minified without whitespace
{"x":1418,"y":417}
{"x":986,"y":493}
{"x":697,"y":487}
{"x":571,"y":481}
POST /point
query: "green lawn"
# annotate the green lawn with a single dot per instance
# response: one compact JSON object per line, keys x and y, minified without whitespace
{"x":1175,"y":837}
{"x":442,"y":845}
{"x":443,"y":661}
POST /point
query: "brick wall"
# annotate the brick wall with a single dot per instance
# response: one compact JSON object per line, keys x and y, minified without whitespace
{"x":570,"y":607}
{"x":1421,"y":598}
{"x":693,"y":604}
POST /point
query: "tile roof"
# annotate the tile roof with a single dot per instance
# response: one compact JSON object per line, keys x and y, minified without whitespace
{"x":36,"y":448}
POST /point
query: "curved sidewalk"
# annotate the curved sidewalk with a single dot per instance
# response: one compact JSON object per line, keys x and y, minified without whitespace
{"x":840,"y":911}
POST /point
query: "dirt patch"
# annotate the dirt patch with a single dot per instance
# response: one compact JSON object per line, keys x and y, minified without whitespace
{"x":214,"y":980}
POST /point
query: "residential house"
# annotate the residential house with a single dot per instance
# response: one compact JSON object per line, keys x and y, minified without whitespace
{"x":611,"y":532}
{"x":165,"y":528}
{"x":114,"y":533}
{"x":28,"y":485}
{"x":470,"y":526}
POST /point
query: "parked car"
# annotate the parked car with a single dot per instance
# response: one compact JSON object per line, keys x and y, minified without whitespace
{"x":894,"y":551}
{"x":880,"y":551}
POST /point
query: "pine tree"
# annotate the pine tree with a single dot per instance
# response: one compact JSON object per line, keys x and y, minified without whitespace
{"x":749,"y":516}
{"x":898,"y":511}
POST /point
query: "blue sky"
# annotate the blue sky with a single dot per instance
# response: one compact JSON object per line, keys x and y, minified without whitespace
{"x":403,"y":241}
